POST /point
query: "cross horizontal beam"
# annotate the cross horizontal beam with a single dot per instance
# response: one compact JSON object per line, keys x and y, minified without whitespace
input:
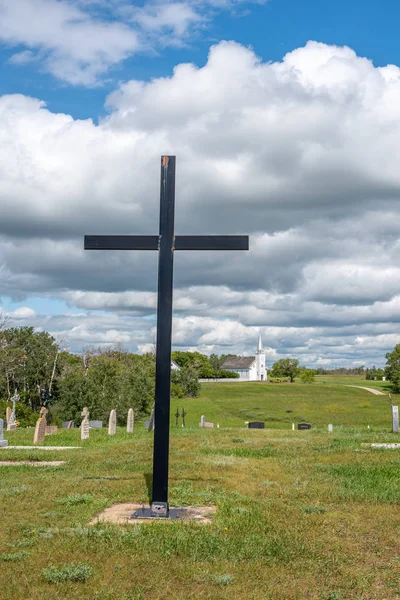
{"x":122,"y":242}
{"x":211,"y":242}
{"x":152,"y":242}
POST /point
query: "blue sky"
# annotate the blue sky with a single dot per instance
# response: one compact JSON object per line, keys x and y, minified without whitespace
{"x":297,"y":143}
{"x":272,"y":29}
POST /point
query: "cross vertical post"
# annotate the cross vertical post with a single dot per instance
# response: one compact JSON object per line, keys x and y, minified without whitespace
{"x":164,"y":334}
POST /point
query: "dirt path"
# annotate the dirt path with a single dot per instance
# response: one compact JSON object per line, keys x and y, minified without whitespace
{"x":376,"y":392}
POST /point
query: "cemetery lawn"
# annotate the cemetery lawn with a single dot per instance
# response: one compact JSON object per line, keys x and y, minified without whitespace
{"x":300,"y":515}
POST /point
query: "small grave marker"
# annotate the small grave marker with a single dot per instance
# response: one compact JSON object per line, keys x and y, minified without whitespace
{"x":183,"y":417}
{"x":85,"y":424}
{"x":51,"y":430}
{"x":96,"y":424}
{"x":202,"y":421}
{"x":293,"y":427}
{"x":130,"y":421}
{"x":177,"y":415}
{"x":330,"y":427}
{"x":112,"y":422}
{"x":395,"y":419}
{"x":256,"y":425}
{"x":40,"y":429}
{"x":3,"y":442}
{"x":208,"y":425}
{"x":152,"y":423}
{"x":303,"y":426}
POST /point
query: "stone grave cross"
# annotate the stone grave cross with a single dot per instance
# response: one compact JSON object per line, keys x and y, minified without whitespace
{"x":166,"y":243}
{"x":11,"y":422}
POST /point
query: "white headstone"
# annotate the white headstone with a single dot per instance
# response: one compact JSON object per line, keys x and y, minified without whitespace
{"x":112,"y":422}
{"x":217,"y":425}
{"x":395,"y":417}
{"x":202,"y":420}
{"x":384,"y":378}
{"x":3,"y":442}
{"x":330,"y":427}
{"x":293,"y":427}
{"x":85,"y":427}
{"x":130,"y":422}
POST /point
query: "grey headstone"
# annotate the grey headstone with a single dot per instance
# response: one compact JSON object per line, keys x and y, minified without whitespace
{"x":202,"y":420}
{"x":256,"y":425}
{"x":96,"y":424}
{"x":3,"y":442}
{"x":302,"y":426}
{"x":395,"y":417}
{"x":151,"y":421}
{"x":146,"y":424}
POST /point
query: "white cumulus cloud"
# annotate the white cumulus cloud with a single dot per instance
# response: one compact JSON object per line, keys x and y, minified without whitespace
{"x":300,"y":154}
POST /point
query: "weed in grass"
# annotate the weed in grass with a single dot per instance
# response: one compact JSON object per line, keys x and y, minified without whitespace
{"x":314,"y":510}
{"x":69,"y":572}
{"x":222,"y":579}
{"x":14,"y":491}
{"x":75,"y":498}
{"x":21,"y":544}
{"x":13,"y":556}
{"x":236,"y":440}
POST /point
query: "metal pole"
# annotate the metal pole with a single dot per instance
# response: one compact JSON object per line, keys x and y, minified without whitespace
{"x":164,"y":332}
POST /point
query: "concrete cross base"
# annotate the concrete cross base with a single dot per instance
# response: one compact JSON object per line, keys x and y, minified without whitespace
{"x":121,"y":514}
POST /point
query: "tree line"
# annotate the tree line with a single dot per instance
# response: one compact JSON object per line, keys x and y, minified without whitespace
{"x":38,"y":367}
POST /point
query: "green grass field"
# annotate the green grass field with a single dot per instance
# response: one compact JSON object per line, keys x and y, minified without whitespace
{"x":300,"y":515}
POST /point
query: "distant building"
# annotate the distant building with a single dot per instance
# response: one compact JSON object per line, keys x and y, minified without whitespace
{"x":249,"y":368}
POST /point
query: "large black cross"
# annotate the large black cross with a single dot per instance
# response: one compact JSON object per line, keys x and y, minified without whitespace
{"x":166,"y":243}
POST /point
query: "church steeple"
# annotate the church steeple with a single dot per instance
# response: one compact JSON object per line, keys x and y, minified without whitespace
{"x":260,"y":349}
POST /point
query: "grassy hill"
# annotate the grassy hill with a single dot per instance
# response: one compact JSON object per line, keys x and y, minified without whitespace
{"x":329,"y":400}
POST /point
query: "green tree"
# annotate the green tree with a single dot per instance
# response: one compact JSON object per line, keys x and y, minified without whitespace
{"x":392,"y":368}
{"x":30,"y":362}
{"x":307,"y":376}
{"x":286,"y":367}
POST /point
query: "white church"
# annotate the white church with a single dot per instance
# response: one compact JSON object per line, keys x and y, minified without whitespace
{"x":249,"y":368}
